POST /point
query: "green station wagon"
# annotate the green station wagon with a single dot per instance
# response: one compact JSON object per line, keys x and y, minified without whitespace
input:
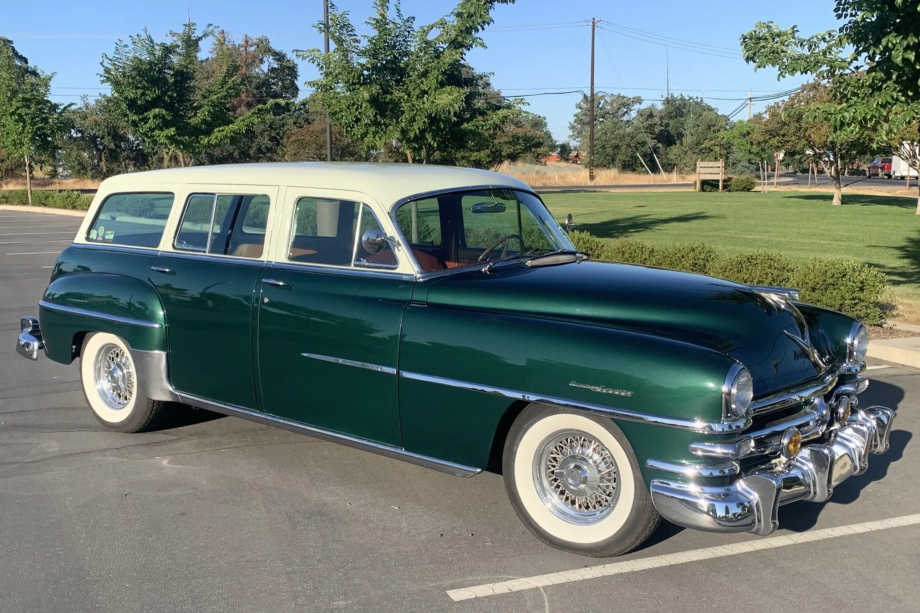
{"x":442,"y":316}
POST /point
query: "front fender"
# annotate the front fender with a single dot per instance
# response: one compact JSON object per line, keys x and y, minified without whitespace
{"x":496,"y":353}
{"x":99,"y":302}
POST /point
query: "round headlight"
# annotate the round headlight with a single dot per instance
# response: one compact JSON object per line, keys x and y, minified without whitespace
{"x":857,"y":343}
{"x":738,"y":391}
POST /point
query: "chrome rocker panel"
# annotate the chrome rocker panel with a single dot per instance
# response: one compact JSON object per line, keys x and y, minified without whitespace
{"x":751,"y":504}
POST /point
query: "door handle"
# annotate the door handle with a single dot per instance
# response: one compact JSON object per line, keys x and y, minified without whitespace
{"x":165,"y":271}
{"x":275,"y":282}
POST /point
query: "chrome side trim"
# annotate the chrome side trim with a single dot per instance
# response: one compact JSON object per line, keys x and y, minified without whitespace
{"x":325,"y":358}
{"x":328,"y":269}
{"x":95,"y":314}
{"x":718,"y":427}
{"x":151,"y":370}
{"x":396,"y":453}
{"x":785,"y":399}
{"x":696,"y":470}
{"x":120,"y":248}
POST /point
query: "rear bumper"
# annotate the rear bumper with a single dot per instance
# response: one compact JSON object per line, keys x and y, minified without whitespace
{"x":751,"y":504}
{"x":30,"y":340}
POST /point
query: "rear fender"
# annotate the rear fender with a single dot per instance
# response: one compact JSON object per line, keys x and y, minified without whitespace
{"x":77,"y":304}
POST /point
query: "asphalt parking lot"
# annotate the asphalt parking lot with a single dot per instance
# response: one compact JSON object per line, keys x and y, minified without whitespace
{"x":219,"y":514}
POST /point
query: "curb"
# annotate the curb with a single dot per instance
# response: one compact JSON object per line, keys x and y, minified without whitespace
{"x":898,"y":355}
{"x":42,"y":209}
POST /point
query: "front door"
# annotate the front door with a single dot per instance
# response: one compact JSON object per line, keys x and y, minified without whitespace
{"x":329,"y":322}
{"x":207,"y":285}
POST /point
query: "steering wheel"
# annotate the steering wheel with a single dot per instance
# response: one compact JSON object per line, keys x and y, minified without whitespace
{"x":495,"y":244}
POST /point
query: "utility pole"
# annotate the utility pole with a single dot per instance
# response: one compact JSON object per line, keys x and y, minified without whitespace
{"x":326,"y":49}
{"x":750,"y":102}
{"x":667,"y":73}
{"x":591,"y":112}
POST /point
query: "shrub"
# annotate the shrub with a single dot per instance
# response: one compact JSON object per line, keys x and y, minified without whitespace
{"x":741,"y":183}
{"x":755,"y":268}
{"x":692,"y":257}
{"x":842,"y":285}
{"x":592,"y":245}
{"x":56,"y":200}
{"x":631,"y":251}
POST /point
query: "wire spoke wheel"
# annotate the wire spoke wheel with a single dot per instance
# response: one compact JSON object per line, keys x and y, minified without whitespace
{"x":114,"y":377}
{"x":576,"y":477}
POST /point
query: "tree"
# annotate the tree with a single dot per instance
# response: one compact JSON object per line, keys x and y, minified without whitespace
{"x":97,"y":142}
{"x":884,"y":35}
{"x":171,"y":104}
{"x":401,"y":86}
{"x":28,"y":120}
{"x":837,"y":108}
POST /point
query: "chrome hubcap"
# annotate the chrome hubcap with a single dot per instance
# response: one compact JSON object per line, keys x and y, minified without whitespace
{"x":114,"y":377}
{"x":576,"y":477}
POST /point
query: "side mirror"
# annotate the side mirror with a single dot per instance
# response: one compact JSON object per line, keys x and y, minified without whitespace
{"x":570,"y":223}
{"x":374,"y":240}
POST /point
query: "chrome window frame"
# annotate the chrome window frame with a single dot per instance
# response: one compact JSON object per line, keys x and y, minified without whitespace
{"x":188,"y":199}
{"x":423,"y":275}
{"x":390,"y":269}
{"x":82,"y":238}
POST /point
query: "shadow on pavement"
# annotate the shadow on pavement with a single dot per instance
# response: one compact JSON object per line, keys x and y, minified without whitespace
{"x":181,"y":415}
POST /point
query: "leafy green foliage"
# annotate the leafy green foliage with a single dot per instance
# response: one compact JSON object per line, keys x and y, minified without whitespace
{"x":842,"y":285}
{"x":98,"y":143}
{"x":175,"y":104}
{"x":55,"y":200}
{"x":411,"y":86}
{"x":755,"y":268}
{"x":29,"y":121}
{"x":741,"y":183}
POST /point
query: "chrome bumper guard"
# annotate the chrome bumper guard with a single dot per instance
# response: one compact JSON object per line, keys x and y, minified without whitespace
{"x":751,"y":504}
{"x":30,"y":340}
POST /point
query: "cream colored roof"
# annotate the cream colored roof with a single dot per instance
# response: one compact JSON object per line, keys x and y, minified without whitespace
{"x":388,"y":183}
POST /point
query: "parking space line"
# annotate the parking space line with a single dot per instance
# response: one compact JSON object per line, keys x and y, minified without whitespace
{"x":56,"y":240}
{"x":33,"y":253}
{"x":34,"y":233}
{"x":672,"y":559}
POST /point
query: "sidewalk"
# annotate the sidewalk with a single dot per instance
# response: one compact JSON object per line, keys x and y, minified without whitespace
{"x":904,"y":351}
{"x":42,"y":209}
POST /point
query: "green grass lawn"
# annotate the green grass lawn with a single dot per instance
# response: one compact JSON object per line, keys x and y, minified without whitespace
{"x":878,"y":230}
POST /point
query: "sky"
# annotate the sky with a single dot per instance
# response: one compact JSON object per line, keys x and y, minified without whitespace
{"x":534,"y":46}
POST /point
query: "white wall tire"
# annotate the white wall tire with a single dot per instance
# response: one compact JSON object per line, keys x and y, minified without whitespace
{"x":113,"y":387}
{"x":575,"y":483}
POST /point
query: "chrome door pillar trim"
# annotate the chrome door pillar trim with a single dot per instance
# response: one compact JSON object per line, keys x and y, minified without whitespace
{"x":325,"y":358}
{"x":693,"y":425}
{"x":396,"y":453}
{"x":97,"y":315}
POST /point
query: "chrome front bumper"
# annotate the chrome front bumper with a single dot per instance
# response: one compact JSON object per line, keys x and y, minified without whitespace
{"x":30,"y":340}
{"x":751,"y":504}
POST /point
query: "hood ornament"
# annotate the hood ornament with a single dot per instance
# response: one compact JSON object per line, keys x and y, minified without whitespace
{"x":804,"y":342}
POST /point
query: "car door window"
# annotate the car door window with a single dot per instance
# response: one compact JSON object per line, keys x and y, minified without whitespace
{"x":216,"y":224}
{"x":372,"y":256}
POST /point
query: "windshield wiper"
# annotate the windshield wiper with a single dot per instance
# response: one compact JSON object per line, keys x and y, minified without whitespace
{"x":554,"y":258}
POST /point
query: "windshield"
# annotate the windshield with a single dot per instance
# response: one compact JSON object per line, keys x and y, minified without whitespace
{"x":477,"y":227}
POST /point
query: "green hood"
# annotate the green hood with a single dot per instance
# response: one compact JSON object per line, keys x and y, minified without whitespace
{"x":726,"y":317}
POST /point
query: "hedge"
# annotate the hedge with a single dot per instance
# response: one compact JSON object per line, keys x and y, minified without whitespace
{"x":55,"y":200}
{"x":839,"y":284}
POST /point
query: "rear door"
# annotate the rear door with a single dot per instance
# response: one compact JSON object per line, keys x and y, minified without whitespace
{"x":207,"y":282}
{"x":329,"y":320}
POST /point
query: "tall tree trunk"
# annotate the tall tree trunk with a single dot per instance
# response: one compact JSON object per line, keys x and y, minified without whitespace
{"x":409,"y":156}
{"x":28,"y":178}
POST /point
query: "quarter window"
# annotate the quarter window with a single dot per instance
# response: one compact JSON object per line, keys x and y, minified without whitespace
{"x":136,"y":220}
{"x":224,"y":224}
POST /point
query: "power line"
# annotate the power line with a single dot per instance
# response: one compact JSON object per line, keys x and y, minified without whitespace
{"x":672,"y":45}
{"x":669,"y":38}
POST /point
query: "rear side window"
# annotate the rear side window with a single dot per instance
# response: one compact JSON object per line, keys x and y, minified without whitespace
{"x":224,"y":224}
{"x":135,"y":220}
